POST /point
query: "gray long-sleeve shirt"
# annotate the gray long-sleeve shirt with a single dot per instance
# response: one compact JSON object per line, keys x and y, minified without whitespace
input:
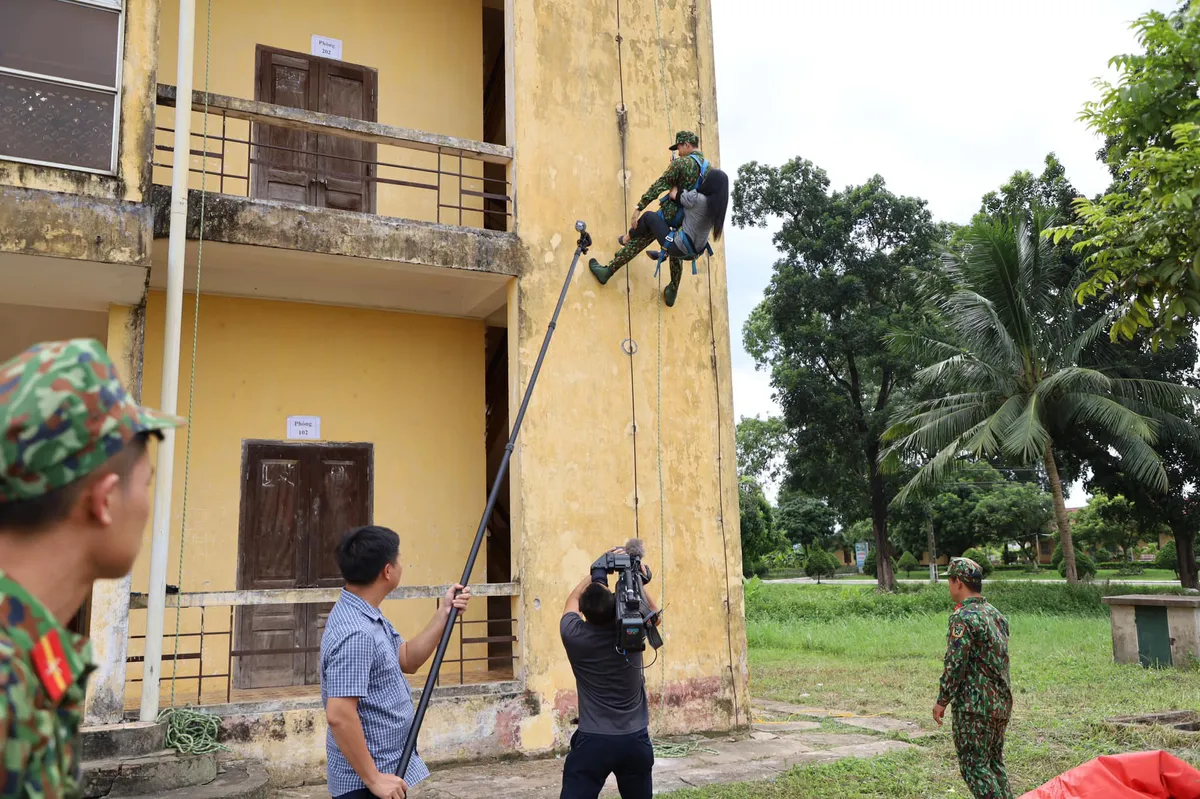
{"x":697,"y":223}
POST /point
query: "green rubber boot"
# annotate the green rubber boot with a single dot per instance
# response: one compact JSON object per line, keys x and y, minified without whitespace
{"x":669,"y":294}
{"x":602,"y":273}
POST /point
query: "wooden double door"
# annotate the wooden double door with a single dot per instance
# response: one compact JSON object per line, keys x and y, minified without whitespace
{"x":310,"y":168}
{"x":298,"y":500}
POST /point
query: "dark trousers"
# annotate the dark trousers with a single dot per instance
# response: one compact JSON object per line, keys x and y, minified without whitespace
{"x":593,"y":757}
{"x":650,"y":227}
{"x":361,"y":793}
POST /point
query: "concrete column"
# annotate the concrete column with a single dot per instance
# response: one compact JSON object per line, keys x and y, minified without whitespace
{"x":105,"y":702}
{"x":1184,"y":624}
{"x":1124,"y":633}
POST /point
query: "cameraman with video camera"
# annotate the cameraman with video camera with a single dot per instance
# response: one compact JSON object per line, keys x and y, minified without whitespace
{"x":605,"y":635}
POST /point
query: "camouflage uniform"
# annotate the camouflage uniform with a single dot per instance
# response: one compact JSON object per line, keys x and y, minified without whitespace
{"x":682,"y":174}
{"x":63,"y":413}
{"x":975,"y":682}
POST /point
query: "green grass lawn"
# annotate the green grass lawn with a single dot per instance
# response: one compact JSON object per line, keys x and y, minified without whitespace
{"x":1047,"y":573}
{"x":1064,"y":684}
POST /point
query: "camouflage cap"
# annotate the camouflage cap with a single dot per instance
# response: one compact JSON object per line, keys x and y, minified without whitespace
{"x":63,"y":413}
{"x":965,"y":569}
{"x":685,"y":137}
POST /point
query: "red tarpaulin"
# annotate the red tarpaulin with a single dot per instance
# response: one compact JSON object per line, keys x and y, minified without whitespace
{"x":1137,"y":775}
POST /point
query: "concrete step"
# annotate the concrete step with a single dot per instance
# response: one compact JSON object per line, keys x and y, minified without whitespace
{"x":237,"y":780}
{"x":135,"y":739}
{"x":149,"y":775}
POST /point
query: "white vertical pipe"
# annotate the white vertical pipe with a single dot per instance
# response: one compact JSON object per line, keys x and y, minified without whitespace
{"x":160,"y":542}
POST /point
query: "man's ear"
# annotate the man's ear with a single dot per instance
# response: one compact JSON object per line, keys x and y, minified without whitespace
{"x":98,"y":498}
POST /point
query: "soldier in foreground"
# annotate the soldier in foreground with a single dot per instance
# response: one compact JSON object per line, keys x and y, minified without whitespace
{"x":74,"y":501}
{"x":975,"y":682}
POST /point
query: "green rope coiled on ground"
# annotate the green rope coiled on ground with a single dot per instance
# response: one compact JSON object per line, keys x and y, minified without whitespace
{"x":191,"y":732}
{"x":684,"y":749}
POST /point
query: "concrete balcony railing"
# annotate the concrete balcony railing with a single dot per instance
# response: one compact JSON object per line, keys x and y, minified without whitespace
{"x":263,"y":151}
{"x":222,"y":658}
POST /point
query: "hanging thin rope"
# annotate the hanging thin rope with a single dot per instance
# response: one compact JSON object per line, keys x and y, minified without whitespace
{"x":623,"y":129}
{"x":662,"y":511}
{"x":191,"y":732}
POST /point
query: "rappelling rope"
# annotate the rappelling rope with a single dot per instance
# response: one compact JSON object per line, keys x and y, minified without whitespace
{"x":662,"y":749}
{"x":189,"y":731}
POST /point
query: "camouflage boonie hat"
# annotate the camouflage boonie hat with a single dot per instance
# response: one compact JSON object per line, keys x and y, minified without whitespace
{"x":63,"y":413}
{"x":685,"y":137}
{"x":965,"y":569}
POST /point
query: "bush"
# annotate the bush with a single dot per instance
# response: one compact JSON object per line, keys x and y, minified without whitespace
{"x":1057,"y":558}
{"x":1085,"y":567}
{"x":908,"y":563}
{"x":820,"y":564}
{"x":1103,"y":555}
{"x":1167,"y":558}
{"x":1008,"y":556}
{"x":980,"y":557}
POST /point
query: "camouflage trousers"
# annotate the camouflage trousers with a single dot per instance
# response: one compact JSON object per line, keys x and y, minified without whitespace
{"x":643,"y":237}
{"x":979,"y":741}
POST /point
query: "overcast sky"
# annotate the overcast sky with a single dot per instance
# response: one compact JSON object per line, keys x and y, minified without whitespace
{"x":943,"y":98}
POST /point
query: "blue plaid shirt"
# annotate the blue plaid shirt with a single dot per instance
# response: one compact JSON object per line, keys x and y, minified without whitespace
{"x":360,"y":657}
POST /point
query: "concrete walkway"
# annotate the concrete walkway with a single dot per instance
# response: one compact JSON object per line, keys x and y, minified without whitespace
{"x":784,"y":736}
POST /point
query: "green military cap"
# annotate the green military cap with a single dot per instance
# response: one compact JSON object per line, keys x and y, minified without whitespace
{"x":965,"y":569}
{"x":685,"y":137}
{"x":63,"y":413}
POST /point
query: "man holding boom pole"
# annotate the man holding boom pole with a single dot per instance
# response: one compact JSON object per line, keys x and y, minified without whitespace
{"x":367,"y":700}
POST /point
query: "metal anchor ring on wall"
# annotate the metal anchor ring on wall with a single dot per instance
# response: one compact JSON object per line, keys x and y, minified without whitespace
{"x":629,"y":346}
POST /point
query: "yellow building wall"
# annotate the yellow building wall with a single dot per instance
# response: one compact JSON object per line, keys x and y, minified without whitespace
{"x":429,"y":58}
{"x":413,"y":386}
{"x":579,"y":490}
{"x":136,"y":122}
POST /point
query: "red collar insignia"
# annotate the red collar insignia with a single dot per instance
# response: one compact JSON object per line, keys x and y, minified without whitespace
{"x":50,"y":664}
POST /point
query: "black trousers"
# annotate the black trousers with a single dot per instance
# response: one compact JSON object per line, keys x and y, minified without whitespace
{"x":651,"y":223}
{"x":361,"y":793}
{"x":593,"y":757}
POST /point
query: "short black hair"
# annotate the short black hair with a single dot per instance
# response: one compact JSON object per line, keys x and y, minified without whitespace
{"x":972,"y":585}
{"x":598,"y":605}
{"x":365,"y":551}
{"x":33,"y":515}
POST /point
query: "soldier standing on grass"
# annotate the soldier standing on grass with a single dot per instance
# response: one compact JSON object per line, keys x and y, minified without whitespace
{"x":976,"y":682}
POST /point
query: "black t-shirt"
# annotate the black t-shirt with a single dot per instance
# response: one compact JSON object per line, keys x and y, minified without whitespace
{"x":611,"y":687}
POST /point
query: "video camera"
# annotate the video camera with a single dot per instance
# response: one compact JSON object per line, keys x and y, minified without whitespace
{"x":635,"y":622}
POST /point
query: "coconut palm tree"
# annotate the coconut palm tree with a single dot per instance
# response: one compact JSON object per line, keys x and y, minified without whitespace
{"x":1018,"y":361}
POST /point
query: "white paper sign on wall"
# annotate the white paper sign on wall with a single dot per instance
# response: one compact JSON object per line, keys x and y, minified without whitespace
{"x":304,"y":427}
{"x":326,"y":47}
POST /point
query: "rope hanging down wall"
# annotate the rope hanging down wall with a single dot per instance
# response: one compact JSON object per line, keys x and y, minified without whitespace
{"x":190,"y":731}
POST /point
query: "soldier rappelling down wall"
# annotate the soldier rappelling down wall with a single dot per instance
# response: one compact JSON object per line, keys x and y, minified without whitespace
{"x":692,"y":207}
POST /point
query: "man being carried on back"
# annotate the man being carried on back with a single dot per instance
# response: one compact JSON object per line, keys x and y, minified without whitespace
{"x":693,"y":207}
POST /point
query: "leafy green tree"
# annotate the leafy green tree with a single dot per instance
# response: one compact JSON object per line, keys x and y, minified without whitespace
{"x":840,"y":286}
{"x":820,"y":564}
{"x":761,"y":447}
{"x":805,"y":520}
{"x":1113,"y":522}
{"x":1143,"y":236}
{"x":908,"y":563}
{"x":759,"y":537}
{"x":1015,"y":512}
{"x":1011,"y":373}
